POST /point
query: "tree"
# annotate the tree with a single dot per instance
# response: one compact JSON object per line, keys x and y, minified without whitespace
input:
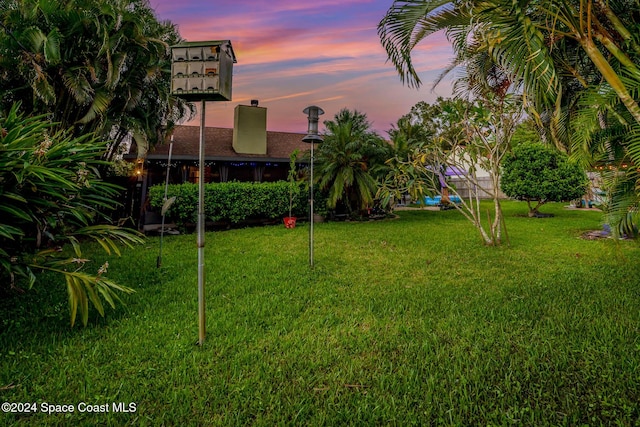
{"x":409,"y":132}
{"x":51,"y":195}
{"x":524,"y":38}
{"x":471,"y":136}
{"x":407,"y":135}
{"x":92,"y":66}
{"x":351,"y":151}
{"x":539,"y":174}
{"x":473,"y":132}
{"x":577,"y":63}
{"x":426,"y":129}
{"x":526,"y":131}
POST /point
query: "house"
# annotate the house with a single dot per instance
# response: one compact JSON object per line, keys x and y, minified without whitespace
{"x":248,"y":152}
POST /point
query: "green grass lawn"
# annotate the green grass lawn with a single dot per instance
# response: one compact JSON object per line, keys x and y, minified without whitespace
{"x":402,"y":322}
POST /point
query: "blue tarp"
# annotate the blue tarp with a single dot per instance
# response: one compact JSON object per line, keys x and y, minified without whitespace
{"x":437,"y":200}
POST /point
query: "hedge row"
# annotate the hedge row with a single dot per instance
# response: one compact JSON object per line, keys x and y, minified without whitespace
{"x":232,"y":201}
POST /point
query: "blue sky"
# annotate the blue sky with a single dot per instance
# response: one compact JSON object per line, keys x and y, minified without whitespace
{"x":294,"y":53}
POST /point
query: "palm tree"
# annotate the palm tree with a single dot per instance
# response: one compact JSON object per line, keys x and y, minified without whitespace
{"x":91,"y":65}
{"x":409,"y":132}
{"x":346,"y":159}
{"x":521,"y":37}
{"x":543,"y":44}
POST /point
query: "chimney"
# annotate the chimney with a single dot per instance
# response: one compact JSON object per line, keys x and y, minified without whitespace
{"x":250,"y":129}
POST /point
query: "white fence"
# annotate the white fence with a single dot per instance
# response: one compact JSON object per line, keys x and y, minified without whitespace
{"x":462,"y":187}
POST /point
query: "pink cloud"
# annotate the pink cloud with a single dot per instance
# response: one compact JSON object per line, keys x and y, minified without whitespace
{"x":293,"y":53}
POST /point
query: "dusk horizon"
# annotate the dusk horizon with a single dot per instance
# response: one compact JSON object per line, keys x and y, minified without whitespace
{"x":293,"y":55}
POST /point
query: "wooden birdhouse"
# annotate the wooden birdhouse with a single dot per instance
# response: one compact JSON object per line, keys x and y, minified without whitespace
{"x":202,"y":70}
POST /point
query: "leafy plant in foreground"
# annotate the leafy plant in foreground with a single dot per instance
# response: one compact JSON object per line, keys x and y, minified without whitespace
{"x":93,"y":66}
{"x":51,"y":195}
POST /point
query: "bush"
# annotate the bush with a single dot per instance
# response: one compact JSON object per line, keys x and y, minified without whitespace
{"x":231,"y":201}
{"x":541,"y":174}
{"x":51,"y":195}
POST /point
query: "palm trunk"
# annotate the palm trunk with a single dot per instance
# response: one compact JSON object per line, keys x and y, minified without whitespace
{"x":617,"y":24}
{"x":610,"y":76}
{"x":109,"y":155}
{"x":602,"y":35}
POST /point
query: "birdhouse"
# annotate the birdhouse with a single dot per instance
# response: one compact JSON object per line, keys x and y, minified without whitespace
{"x":202,"y":70}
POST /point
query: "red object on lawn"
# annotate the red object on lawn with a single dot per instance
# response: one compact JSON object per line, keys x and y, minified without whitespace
{"x":290,"y":221}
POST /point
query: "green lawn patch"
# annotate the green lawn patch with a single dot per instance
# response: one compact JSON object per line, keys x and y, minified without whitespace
{"x":410,"y":321}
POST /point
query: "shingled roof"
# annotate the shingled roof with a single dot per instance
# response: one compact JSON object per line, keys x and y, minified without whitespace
{"x":219,"y":145}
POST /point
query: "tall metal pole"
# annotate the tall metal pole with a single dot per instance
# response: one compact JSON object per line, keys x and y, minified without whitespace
{"x":311,"y":213}
{"x":312,"y":137}
{"x":201,"y":219}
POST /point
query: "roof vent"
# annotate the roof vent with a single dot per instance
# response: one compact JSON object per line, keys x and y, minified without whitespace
{"x":254,"y":102}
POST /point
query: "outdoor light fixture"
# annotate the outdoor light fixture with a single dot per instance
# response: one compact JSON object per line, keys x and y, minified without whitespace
{"x":312,"y":113}
{"x":139,"y":168}
{"x":312,"y":138}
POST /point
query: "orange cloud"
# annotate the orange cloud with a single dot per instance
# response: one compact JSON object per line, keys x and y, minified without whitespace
{"x":293,"y":53}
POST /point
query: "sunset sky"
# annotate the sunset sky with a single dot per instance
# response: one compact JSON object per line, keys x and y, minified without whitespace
{"x":294,"y":53}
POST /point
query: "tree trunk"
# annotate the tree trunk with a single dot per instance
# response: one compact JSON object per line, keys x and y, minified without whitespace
{"x":496,"y":227}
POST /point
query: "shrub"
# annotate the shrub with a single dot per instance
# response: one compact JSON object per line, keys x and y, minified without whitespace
{"x":231,"y":201}
{"x":541,"y":174}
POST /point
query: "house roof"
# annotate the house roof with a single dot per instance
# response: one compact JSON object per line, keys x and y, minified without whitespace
{"x":219,"y":145}
{"x":210,"y":43}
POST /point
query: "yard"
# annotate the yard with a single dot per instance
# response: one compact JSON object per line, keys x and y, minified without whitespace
{"x":402,"y":322}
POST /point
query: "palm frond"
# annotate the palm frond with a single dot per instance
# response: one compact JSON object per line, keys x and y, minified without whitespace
{"x":109,"y":236}
{"x":623,"y":206}
{"x":632,"y":143}
{"x":78,"y":85}
{"x":101,"y":100}
{"x":35,"y":38}
{"x":517,"y":45}
{"x":51,"y":47}
{"x":43,"y":89}
{"x":407,"y":23}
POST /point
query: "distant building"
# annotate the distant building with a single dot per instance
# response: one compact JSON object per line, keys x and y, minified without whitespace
{"x":248,"y":153}
{"x":222,"y":162}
